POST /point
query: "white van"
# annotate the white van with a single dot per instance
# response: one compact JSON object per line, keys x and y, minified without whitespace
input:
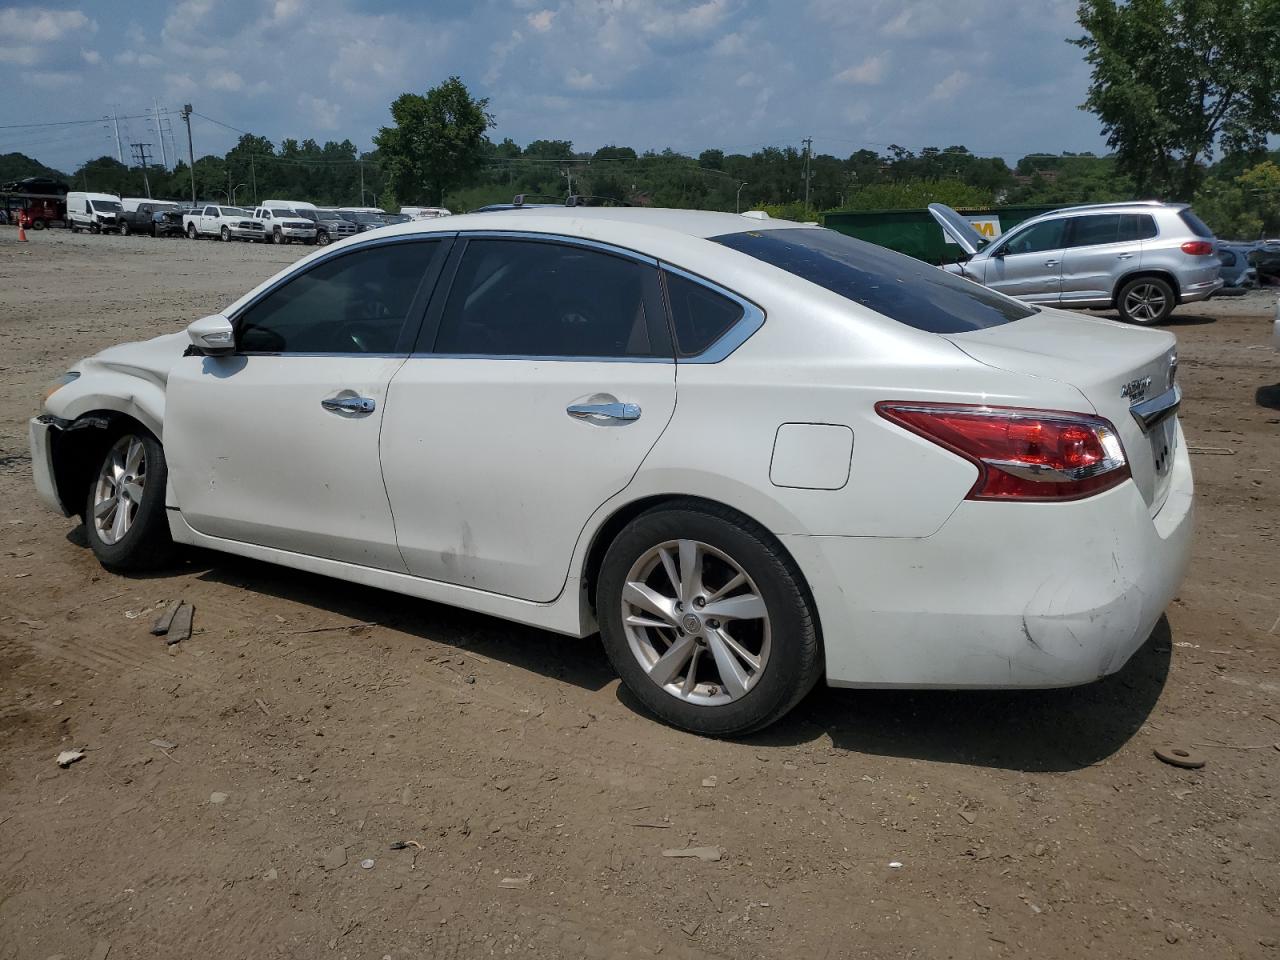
{"x":95,"y":212}
{"x":424,"y":213}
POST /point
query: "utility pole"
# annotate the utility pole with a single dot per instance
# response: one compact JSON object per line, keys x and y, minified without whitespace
{"x":191,"y":153}
{"x":140,"y":155}
{"x":362,"y":183}
{"x":808,"y":152}
{"x":164,"y":160}
{"x":253,"y":177}
{"x":115,"y":119}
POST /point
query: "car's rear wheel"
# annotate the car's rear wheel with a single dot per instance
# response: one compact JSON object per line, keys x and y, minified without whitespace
{"x":1147,"y":301}
{"x":124,"y":516}
{"x":707,"y":621}
{"x":37,"y":224}
{"x":192,"y":234}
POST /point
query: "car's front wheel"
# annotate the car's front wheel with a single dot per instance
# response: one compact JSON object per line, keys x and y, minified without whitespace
{"x":124,"y":228}
{"x":1147,"y":301}
{"x":124,"y":516}
{"x":225,"y":234}
{"x":707,"y":620}
{"x":276,"y":236}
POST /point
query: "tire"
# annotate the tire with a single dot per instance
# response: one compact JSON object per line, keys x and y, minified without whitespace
{"x":141,"y":539}
{"x":225,"y":234}
{"x":37,"y":225}
{"x":124,"y":228}
{"x":1146,"y":301}
{"x":322,"y":238}
{"x":95,"y":228}
{"x":782,"y":638}
{"x":192,"y":234}
{"x":276,"y":236}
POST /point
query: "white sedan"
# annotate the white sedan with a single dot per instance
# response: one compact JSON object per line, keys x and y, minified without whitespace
{"x":753,"y":454}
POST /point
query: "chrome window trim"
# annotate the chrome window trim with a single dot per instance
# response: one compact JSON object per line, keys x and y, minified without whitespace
{"x":752,"y":319}
{"x":536,"y":356}
{"x":559,"y":238}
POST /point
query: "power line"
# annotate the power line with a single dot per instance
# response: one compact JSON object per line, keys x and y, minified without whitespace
{"x":67,"y":123}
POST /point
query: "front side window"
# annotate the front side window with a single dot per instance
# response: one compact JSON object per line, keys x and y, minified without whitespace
{"x":528,"y":298}
{"x":355,"y":303}
{"x":1050,"y":235}
{"x":892,"y":284}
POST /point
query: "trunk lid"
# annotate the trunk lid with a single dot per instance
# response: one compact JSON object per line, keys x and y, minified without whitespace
{"x":1114,"y":366}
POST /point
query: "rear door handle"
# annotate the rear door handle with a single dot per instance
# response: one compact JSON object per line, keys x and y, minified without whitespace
{"x":349,"y":404}
{"x":1125,"y":256}
{"x":604,"y":411}
{"x":1052,"y":263}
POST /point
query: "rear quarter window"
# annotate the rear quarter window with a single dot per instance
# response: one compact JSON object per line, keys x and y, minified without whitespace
{"x":1195,"y":224}
{"x":894,"y":285}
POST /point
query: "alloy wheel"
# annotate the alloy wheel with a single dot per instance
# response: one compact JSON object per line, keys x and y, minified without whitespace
{"x":117,"y":495}
{"x":696,"y":622}
{"x":1146,"y":301}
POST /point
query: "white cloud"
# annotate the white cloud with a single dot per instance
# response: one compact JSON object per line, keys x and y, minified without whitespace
{"x":498,"y":54}
{"x":323,"y":113}
{"x":685,"y":23}
{"x":541,"y":21}
{"x":91,"y":56}
{"x":867,"y":73}
{"x":950,"y":86}
{"x":52,"y":79}
{"x":23,"y":56}
{"x":131,"y":58}
{"x":730,"y":45}
{"x":577,"y":80}
{"x":223,"y":79}
{"x":36,"y":25}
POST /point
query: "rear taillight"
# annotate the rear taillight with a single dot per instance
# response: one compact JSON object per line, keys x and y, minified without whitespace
{"x":1021,"y":454}
{"x":1198,"y":248}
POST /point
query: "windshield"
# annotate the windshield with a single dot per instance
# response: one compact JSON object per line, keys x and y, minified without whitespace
{"x":104,"y":206}
{"x":234,"y":212}
{"x":304,"y":214}
{"x":369,"y":218}
{"x":897,"y":286}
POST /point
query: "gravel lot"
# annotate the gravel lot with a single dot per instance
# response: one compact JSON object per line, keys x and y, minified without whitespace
{"x":310,"y":725}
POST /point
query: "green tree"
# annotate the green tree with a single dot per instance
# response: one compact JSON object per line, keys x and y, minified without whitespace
{"x":437,"y":143}
{"x":1174,"y":79}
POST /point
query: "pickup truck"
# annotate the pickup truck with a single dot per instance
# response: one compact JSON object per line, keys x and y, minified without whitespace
{"x":226,"y":223}
{"x":139,"y":217}
{"x":283,"y":226}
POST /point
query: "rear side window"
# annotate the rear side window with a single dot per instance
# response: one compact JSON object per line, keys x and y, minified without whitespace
{"x":699,"y":315}
{"x":354,"y":303}
{"x":526,"y":298}
{"x":897,"y":286}
{"x":1138,"y":226}
{"x":1093,"y":230}
{"x":1195,"y":224}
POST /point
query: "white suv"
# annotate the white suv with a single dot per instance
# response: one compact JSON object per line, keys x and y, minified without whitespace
{"x":1143,"y":258}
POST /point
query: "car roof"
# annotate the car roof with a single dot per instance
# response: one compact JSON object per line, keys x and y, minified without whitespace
{"x":615,"y":222}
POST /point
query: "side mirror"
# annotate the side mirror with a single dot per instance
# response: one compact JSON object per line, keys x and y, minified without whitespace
{"x":212,"y":336}
{"x":999,"y":254}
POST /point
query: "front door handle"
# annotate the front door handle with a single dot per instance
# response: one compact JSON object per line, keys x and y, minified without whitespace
{"x":1125,"y":256}
{"x":625,"y":412}
{"x":1052,"y":263}
{"x":349,"y":404}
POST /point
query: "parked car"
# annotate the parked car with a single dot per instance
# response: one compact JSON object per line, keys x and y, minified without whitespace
{"x":363,"y":222}
{"x":424,"y":213}
{"x":1143,"y":259}
{"x":330,"y":226}
{"x":1237,"y":272}
{"x":1265,"y":258}
{"x":95,"y":212}
{"x":138,"y":216}
{"x":170,"y":222}
{"x":281,"y":225}
{"x":223,"y":222}
{"x":391,"y":219}
{"x":503,"y":435}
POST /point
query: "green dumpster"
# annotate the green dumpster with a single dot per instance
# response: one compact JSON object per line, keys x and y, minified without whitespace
{"x":917,"y":234}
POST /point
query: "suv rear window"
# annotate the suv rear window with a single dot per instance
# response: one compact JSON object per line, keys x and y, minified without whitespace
{"x":1197,"y":226}
{"x":897,"y":286}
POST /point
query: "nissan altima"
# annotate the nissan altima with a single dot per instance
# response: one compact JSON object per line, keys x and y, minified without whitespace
{"x":754,"y":455}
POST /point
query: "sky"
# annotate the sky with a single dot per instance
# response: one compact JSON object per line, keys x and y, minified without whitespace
{"x":994,"y":76}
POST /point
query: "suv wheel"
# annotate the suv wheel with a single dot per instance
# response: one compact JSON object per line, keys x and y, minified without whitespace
{"x":707,"y":621}
{"x":1146,"y":300}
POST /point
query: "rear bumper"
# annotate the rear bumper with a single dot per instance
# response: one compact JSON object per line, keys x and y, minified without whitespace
{"x":1195,"y":292}
{"x":1003,"y":595}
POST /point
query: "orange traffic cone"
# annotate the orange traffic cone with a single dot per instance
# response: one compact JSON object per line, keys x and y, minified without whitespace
{"x":22,"y":231}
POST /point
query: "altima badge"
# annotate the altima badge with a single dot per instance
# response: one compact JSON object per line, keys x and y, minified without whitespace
{"x":1136,"y":390}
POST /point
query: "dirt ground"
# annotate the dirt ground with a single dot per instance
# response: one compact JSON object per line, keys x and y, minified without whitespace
{"x":309,"y":725}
